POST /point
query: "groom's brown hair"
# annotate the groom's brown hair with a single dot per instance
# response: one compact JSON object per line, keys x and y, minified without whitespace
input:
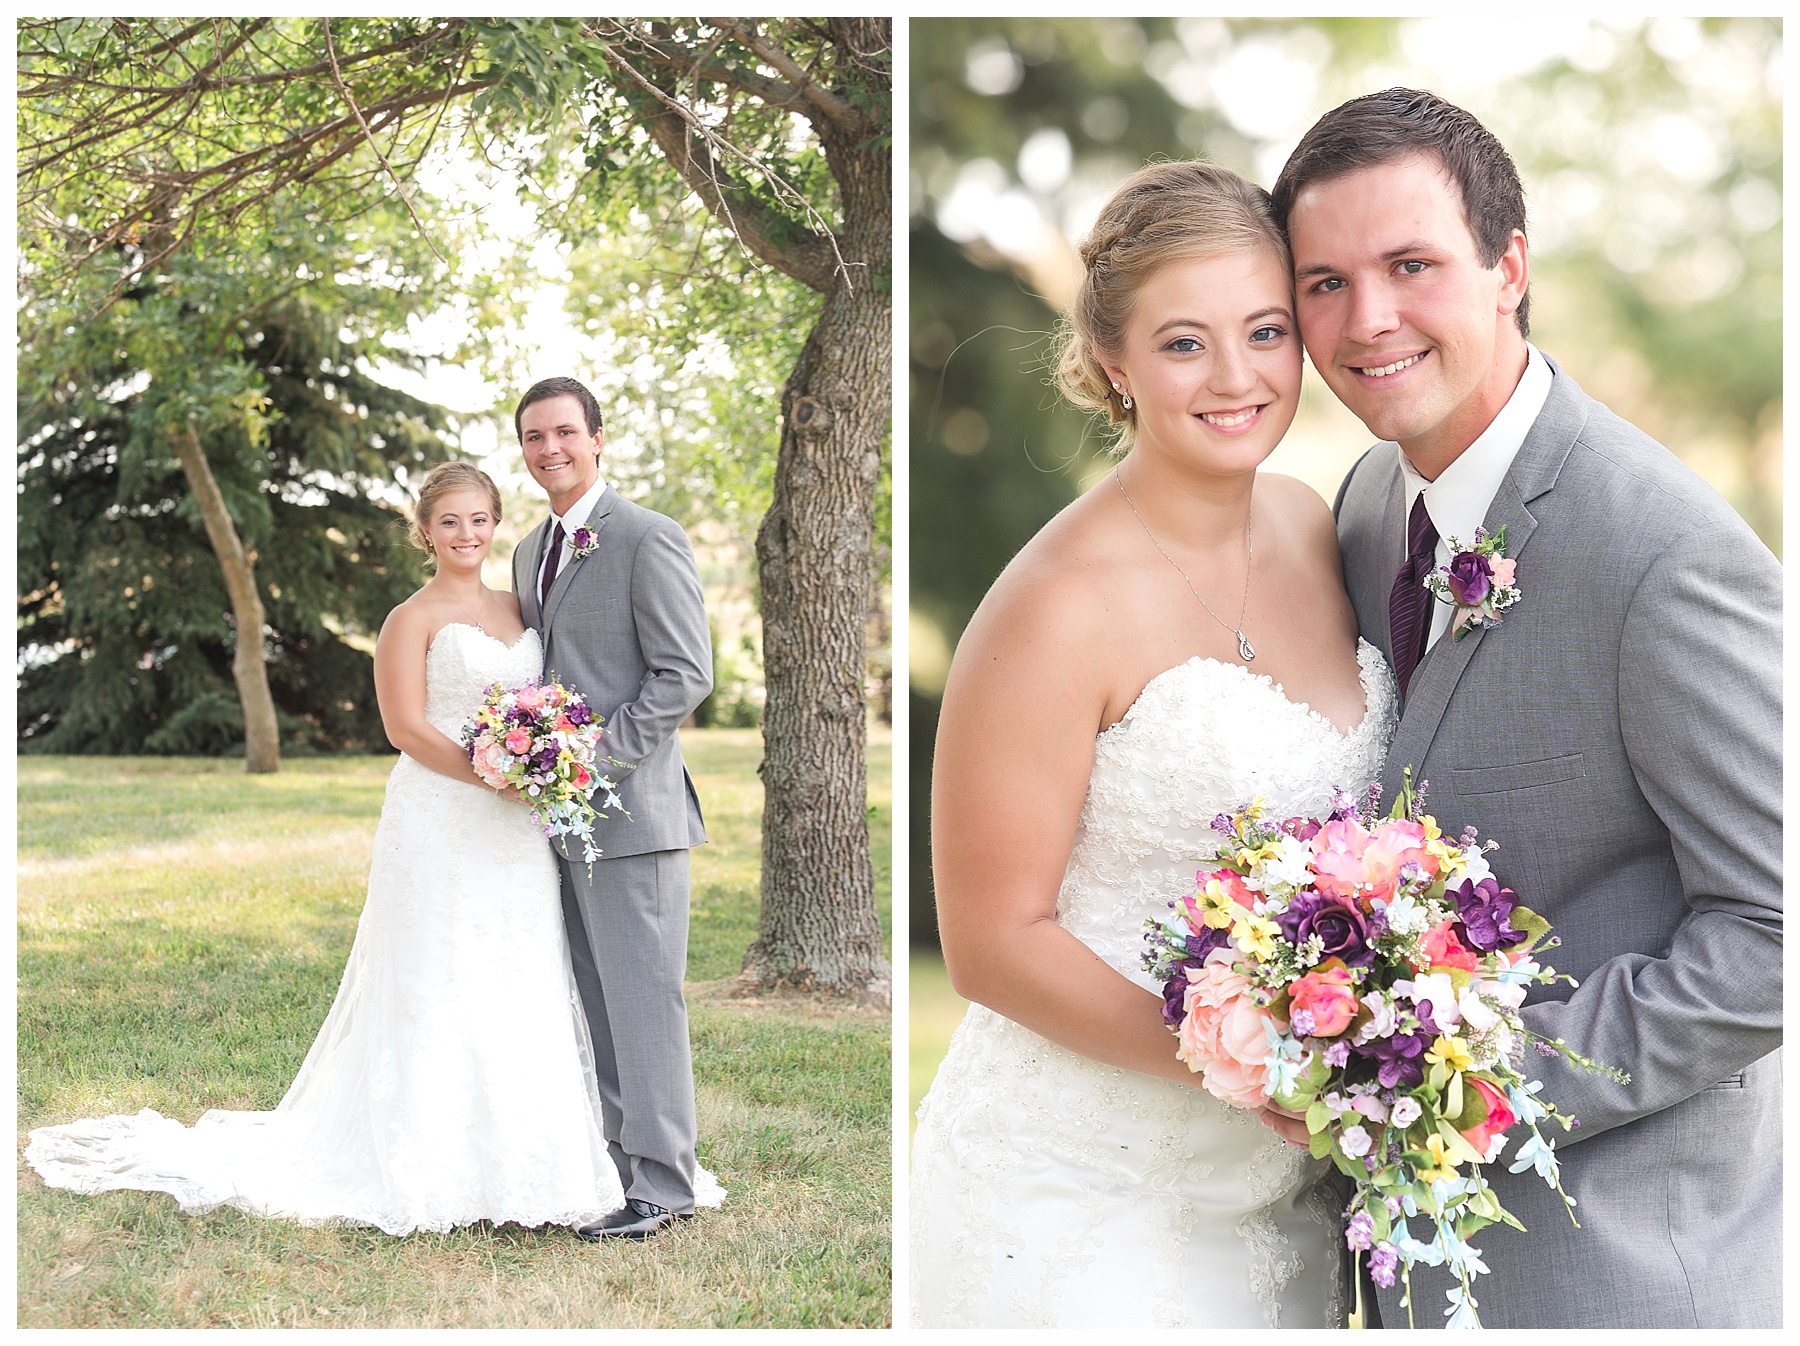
{"x":1379,"y":128}
{"x":559,"y":387}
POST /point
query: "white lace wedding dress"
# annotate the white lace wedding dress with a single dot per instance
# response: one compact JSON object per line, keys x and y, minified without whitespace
{"x":453,"y":1079}
{"x":1049,"y":1190}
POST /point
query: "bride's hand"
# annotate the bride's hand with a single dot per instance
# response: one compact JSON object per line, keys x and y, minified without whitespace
{"x":1290,"y":1126}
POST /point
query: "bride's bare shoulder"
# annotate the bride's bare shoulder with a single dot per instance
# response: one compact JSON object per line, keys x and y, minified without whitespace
{"x":1302,"y":514}
{"x":1057,"y":597}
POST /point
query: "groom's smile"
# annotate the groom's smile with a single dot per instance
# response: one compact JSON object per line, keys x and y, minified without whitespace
{"x":1401,"y":318}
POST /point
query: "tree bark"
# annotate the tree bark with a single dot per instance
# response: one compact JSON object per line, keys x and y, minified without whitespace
{"x":262,"y":739}
{"x":819,"y":927}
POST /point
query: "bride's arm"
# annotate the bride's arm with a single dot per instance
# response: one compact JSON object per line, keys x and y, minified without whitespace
{"x":400,"y":692}
{"x":1015,"y":745}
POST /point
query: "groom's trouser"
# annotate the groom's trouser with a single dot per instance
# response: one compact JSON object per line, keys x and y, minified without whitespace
{"x":628,"y":935}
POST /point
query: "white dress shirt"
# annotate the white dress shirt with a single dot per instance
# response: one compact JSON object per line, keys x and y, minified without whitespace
{"x":575,"y":518}
{"x":1458,"y":500}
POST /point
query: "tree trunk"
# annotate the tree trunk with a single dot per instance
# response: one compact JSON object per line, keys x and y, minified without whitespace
{"x":262,"y":740}
{"x":819,"y":928}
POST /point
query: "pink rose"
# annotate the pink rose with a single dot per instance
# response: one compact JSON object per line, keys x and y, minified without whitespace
{"x":1503,"y":570}
{"x":518,"y":741}
{"x":1499,"y":1115}
{"x":486,"y":761}
{"x":1222,"y":1033}
{"x":1326,"y":994}
{"x":1443,"y":949}
{"x":1338,"y":857}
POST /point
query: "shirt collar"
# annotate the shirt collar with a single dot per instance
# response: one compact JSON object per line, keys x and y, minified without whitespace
{"x":579,"y":511}
{"x":1458,"y":500}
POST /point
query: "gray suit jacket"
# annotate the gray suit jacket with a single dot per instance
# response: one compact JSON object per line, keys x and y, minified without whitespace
{"x":1620,"y":736}
{"x":626,"y":627}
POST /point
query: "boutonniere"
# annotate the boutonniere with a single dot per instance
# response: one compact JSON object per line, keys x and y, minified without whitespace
{"x":1478,"y":582}
{"x":582,"y":541}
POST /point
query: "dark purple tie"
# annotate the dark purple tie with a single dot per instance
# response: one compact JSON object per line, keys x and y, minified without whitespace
{"x":1409,"y":605}
{"x":556,"y":541}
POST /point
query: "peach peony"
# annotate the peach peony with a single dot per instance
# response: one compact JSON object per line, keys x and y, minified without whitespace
{"x":486,"y":761}
{"x":1338,"y":857}
{"x":1222,"y":1033}
{"x":1395,"y":842}
{"x":1325,"y":993}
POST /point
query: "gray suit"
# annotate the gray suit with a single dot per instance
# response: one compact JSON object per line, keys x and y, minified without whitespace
{"x":1620,"y":736}
{"x":626,"y":627}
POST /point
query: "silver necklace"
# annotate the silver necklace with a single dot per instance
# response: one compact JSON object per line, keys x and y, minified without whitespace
{"x":1246,"y":650}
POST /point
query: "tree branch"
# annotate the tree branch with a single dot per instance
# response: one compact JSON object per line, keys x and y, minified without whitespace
{"x":400,"y":187}
{"x":839,"y":113}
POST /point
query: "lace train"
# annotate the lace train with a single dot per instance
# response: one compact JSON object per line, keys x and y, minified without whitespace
{"x":453,"y":1079}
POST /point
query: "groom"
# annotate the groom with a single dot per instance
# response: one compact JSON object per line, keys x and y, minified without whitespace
{"x":613,"y":591}
{"x":1619,"y":734}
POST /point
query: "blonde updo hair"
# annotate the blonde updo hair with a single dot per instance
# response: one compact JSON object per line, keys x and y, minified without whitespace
{"x":1164,"y":213}
{"x":446,"y":479}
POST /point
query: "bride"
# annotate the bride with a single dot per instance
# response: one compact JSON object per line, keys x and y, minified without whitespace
{"x":453,"y":1079}
{"x":1174,"y":643}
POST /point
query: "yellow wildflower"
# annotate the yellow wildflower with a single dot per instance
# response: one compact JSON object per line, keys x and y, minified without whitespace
{"x":1443,"y":1166}
{"x":1216,"y":905}
{"x":1255,"y":934}
{"x":1450,"y":1051}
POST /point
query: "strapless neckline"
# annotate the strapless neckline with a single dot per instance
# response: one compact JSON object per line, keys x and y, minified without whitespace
{"x":1366,"y":656}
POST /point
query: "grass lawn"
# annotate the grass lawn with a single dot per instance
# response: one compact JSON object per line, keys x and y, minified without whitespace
{"x":933,"y":1014}
{"x":182,"y":929}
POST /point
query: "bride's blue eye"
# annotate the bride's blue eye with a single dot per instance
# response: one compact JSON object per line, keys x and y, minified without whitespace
{"x":1186,"y":345}
{"x":1264,"y":335}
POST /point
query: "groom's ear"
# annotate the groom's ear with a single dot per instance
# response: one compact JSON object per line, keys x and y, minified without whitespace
{"x":1515,"y":274}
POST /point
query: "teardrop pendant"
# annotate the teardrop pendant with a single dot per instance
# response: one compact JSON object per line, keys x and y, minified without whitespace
{"x":1245,"y":648}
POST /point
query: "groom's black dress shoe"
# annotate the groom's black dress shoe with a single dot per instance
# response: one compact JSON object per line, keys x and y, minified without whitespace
{"x":634,"y":1220}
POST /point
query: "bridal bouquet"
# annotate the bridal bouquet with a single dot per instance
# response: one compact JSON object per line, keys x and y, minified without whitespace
{"x":543,"y":739}
{"x":1368,"y":973}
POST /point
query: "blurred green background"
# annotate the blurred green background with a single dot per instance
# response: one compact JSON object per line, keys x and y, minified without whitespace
{"x":1651,"y":157}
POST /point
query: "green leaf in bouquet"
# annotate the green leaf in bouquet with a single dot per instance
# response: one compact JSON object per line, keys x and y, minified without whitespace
{"x":1468,"y":1110}
{"x":1457,"y":1145}
{"x":1534,"y":926}
{"x":1318,"y":1116}
{"x":1453,"y":1096}
{"x":1384,"y":1223}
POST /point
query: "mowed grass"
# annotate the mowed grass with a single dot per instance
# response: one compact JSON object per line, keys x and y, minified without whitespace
{"x":182,"y":929}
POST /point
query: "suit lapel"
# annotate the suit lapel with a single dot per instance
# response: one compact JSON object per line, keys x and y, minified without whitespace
{"x":596,"y":522}
{"x":526,"y":584}
{"x":1533,"y":473}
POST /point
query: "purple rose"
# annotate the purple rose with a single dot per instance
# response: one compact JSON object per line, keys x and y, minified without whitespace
{"x":1175,"y":989}
{"x":1486,"y":910}
{"x":1301,"y":829}
{"x":1343,"y":931}
{"x":1471,"y":578}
